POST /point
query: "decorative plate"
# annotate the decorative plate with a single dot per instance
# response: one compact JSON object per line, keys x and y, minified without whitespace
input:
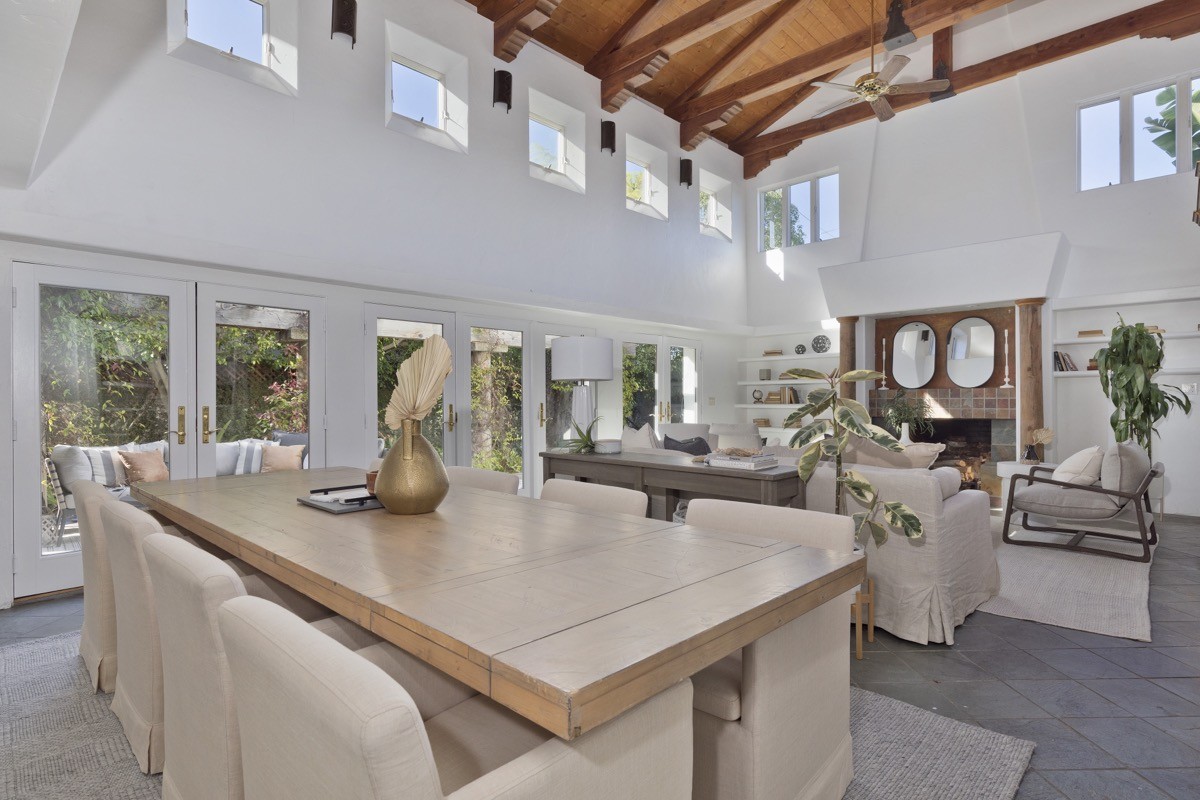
{"x":820,"y":344}
{"x":801,"y":349}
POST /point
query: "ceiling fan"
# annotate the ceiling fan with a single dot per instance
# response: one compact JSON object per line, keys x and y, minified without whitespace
{"x":874,"y":87}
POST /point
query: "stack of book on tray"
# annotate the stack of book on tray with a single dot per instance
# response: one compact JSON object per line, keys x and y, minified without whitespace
{"x":760,"y":461}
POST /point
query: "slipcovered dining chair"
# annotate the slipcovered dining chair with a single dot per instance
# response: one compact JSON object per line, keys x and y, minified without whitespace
{"x":773,"y":720}
{"x":595,"y":497}
{"x":98,"y":637}
{"x":202,"y":743}
{"x":484,"y":479}
{"x":318,"y":721}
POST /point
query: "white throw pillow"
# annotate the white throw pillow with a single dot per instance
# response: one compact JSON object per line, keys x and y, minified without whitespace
{"x":644,"y":438}
{"x":250,"y":455}
{"x":1083,"y":468}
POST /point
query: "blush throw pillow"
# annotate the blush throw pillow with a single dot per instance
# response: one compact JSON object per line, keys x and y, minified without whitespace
{"x":282,"y":458}
{"x":1083,"y":468}
{"x":146,"y":465}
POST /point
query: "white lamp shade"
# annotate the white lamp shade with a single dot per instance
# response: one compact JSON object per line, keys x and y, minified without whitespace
{"x":581,"y":358}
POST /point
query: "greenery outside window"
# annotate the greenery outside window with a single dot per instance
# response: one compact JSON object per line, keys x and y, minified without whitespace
{"x":637,"y":181}
{"x":798,"y":213}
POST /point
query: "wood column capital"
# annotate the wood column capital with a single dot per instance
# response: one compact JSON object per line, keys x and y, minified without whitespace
{"x":1031,"y":301}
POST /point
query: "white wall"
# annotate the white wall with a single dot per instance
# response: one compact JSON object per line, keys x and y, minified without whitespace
{"x":147,"y":153}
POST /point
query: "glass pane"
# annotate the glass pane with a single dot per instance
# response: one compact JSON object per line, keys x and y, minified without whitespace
{"x":829,"y":203}
{"x":416,"y":95}
{"x":772,"y":220}
{"x":497,"y":434}
{"x":1154,"y":133}
{"x":685,"y":406}
{"x":800,"y":213}
{"x":1100,"y":145}
{"x":639,"y":383}
{"x":262,"y":374}
{"x":232,"y":26}
{"x":395,"y":341}
{"x":103,"y":366}
{"x":545,"y":145}
{"x":637,"y":182}
{"x":1196,"y":122}
{"x":558,"y":405}
{"x":708,"y":208}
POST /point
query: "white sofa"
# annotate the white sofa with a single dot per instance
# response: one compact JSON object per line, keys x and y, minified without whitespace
{"x":925,"y":587}
{"x":717,"y":434}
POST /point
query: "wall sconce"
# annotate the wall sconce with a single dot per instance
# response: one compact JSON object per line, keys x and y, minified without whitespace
{"x":502,"y":88}
{"x":608,"y":136}
{"x":345,"y":20}
{"x":898,"y":33}
{"x":685,"y":172}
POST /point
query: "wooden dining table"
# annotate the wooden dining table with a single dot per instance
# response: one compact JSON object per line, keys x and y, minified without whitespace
{"x":566,"y":616}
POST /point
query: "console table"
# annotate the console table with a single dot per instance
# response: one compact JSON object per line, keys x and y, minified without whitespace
{"x":671,"y":473}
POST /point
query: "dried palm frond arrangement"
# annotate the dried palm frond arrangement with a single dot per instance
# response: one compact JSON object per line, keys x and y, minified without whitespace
{"x":418,"y":387}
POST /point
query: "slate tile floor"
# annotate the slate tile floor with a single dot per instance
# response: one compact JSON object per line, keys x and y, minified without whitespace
{"x":1112,"y":718}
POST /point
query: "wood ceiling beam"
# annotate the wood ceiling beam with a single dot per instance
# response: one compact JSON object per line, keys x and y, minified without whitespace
{"x":616,"y":89}
{"x":516,"y":23}
{"x":628,"y":28}
{"x":1178,"y":29}
{"x":741,"y":52}
{"x":781,"y":109}
{"x":695,"y":131}
{"x":924,"y":17}
{"x":943,"y":61}
{"x":680,"y":33}
{"x":1109,"y":31}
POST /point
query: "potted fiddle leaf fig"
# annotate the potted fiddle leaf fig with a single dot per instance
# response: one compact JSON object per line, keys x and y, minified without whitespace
{"x":1127,"y":368}
{"x":828,"y":436}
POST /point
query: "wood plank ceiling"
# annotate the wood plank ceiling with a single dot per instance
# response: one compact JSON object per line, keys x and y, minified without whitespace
{"x":731,"y":69}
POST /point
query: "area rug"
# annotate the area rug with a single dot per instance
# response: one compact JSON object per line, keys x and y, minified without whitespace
{"x":901,"y":751}
{"x":1072,"y":590}
{"x":59,"y":741}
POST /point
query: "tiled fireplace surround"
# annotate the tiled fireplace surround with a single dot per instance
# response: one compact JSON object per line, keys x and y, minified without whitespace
{"x":970,"y":410}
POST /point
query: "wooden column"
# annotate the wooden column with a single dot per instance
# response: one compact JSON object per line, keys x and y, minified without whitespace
{"x":849,"y":346}
{"x":1029,"y":369}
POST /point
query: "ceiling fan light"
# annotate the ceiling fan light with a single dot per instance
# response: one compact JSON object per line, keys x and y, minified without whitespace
{"x":898,"y":33}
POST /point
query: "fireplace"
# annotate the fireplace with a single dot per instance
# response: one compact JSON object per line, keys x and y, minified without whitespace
{"x":965,"y":439}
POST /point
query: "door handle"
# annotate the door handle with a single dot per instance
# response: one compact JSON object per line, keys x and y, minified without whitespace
{"x":541,"y":415}
{"x":668,"y":419}
{"x":660,"y":411}
{"x":451,"y":418}
{"x":205,"y":432}
{"x":180,"y":425}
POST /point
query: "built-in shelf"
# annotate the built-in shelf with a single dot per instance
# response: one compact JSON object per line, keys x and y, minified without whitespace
{"x":769,"y":406}
{"x":1095,"y":373}
{"x":793,"y":357}
{"x":1103,"y":340}
{"x":781,"y":383}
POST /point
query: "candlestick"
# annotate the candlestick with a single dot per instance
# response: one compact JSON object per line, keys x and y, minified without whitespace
{"x":1007,"y":383}
{"x":883,"y":382}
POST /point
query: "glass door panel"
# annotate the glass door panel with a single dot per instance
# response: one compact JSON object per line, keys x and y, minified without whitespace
{"x":684,"y":376}
{"x":260,"y":379}
{"x":640,"y":403}
{"x":552,"y":426}
{"x":398,"y":333}
{"x":98,"y":395}
{"x":495,"y":435}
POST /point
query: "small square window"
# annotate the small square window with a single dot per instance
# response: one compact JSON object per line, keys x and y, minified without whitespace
{"x":771,"y":214}
{"x":708,"y":208}
{"x":546,"y":144}
{"x":235,"y":27}
{"x":637,"y":181}
{"x":1100,"y":145}
{"x":800,"y":213}
{"x":418,"y":94}
{"x":829,"y":201}
{"x":1154,"y":131}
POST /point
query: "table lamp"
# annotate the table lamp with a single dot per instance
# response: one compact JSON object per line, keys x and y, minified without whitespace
{"x":581,"y":359}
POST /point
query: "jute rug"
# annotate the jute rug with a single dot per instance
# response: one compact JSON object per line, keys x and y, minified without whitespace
{"x":1072,"y":590}
{"x":59,"y":741}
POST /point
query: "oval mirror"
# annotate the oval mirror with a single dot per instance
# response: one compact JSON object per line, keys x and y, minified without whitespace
{"x":913,"y":355}
{"x":971,"y":352}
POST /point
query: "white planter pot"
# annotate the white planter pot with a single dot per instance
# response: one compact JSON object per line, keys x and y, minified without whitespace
{"x":905,"y":439}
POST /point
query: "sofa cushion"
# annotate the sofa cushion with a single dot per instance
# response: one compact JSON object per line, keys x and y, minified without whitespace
{"x":107,"y":469}
{"x":918,"y":455}
{"x":697,"y":446}
{"x":1125,"y":467}
{"x":289,"y":439}
{"x":227,"y":457}
{"x":949,"y":479}
{"x":1055,"y":501}
{"x":72,"y":465}
{"x":1083,"y":468}
{"x":717,"y":689}
{"x":249,"y":460}
{"x":146,"y":465}
{"x":282,"y":458}
{"x":686,"y":430}
{"x":643,"y":437}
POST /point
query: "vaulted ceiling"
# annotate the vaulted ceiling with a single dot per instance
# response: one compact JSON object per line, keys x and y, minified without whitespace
{"x":732,"y":69}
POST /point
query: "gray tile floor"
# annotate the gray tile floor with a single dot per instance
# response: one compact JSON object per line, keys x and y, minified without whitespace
{"x":1112,"y":718}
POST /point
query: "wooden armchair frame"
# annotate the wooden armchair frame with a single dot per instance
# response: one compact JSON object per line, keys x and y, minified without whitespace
{"x":1140,"y":498}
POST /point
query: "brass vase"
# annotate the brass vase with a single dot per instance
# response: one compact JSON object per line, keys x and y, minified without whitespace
{"x":412,"y":478}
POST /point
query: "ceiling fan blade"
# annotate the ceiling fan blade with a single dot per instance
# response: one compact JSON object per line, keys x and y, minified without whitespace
{"x":919,"y":87}
{"x":838,"y":107}
{"x":826,"y":84}
{"x":892,"y":68}
{"x":883,"y":109}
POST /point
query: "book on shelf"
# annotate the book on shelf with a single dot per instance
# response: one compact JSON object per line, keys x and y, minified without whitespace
{"x":1067,"y":357}
{"x":1058,"y":362}
{"x":1093,"y":332}
{"x":772,"y":352}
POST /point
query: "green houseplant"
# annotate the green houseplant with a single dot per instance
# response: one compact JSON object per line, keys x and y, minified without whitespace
{"x":828,"y":437}
{"x":585,"y":440}
{"x":1127,"y":368}
{"x":903,"y":410}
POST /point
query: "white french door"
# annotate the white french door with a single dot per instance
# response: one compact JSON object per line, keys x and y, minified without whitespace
{"x":392,"y":333}
{"x":260,"y":375}
{"x":493,"y":417}
{"x":660,"y":380}
{"x":101,"y":361}
{"x":552,"y":418}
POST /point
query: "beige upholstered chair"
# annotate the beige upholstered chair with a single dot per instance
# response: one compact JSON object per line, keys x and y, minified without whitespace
{"x":773,"y":721}
{"x":484,"y":479}
{"x":318,"y":722}
{"x":595,"y":497}
{"x":98,"y":638}
{"x":202,"y":743}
